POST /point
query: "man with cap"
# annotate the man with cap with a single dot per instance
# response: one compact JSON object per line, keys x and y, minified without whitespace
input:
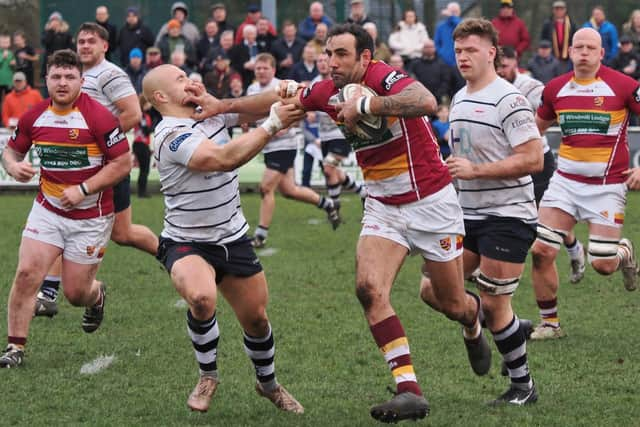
{"x":136,"y":69}
{"x":19,"y":100}
{"x":153,"y":58}
{"x":559,"y":30}
{"x":358,"y":13}
{"x":627,"y":61}
{"x":102,"y":19}
{"x":512,"y":31}
{"x":543,"y":65}
{"x":180,"y":12}
{"x":253,"y":16}
{"x":133,"y":34}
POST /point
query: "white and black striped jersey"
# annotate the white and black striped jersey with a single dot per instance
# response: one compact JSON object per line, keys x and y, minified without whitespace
{"x":485,"y":126}
{"x":199,"y":206}
{"x":107,"y":83}
{"x":532,"y":90}
{"x":328,"y":130}
{"x":286,"y":141}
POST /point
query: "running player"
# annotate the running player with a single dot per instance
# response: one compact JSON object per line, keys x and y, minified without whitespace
{"x":110,"y":86}
{"x":203,"y":245}
{"x":279,"y":155}
{"x":591,"y":104}
{"x":335,"y":147}
{"x":411,"y":206}
{"x":83,"y":152}
{"x":496,"y":146}
{"x":532,"y":90}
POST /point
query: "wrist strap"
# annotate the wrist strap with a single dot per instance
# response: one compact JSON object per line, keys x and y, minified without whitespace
{"x":84,"y":189}
{"x":364,"y":105}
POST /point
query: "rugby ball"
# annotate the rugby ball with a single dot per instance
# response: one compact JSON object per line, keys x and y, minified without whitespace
{"x":369,"y":126}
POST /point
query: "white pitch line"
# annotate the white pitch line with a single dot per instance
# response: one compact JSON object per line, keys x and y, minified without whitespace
{"x":267,"y":252}
{"x":314,"y":221}
{"x":97,"y":365}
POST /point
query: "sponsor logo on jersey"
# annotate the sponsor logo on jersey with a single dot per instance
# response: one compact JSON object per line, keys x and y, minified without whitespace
{"x":598,"y":101}
{"x":175,"y":144}
{"x":522,"y":122}
{"x":114,"y":137}
{"x":74,"y":133}
{"x":392,"y":78}
{"x":520,"y":101}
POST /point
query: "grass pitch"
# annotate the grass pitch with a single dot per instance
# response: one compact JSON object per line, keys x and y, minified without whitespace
{"x":325,"y":354}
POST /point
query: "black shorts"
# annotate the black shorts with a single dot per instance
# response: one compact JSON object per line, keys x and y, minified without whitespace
{"x":541,"y":179}
{"x":236,"y":258}
{"x":122,"y":195}
{"x":336,"y":146}
{"x":502,"y":239}
{"x":281,"y":160}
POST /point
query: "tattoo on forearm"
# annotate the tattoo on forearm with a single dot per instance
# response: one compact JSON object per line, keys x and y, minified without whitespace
{"x":413,"y":101}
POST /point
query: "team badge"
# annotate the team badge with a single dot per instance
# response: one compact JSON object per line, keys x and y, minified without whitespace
{"x":101,"y":252}
{"x":74,"y":133}
{"x":91,"y":250}
{"x":459,"y":240}
{"x":598,"y":101}
{"x":445,"y":243}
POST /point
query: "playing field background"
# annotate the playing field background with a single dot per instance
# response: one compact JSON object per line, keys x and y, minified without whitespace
{"x":325,"y":354}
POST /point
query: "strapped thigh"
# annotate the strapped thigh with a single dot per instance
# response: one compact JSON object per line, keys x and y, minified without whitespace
{"x":601,"y":247}
{"x":550,"y":236}
{"x":494,"y":286}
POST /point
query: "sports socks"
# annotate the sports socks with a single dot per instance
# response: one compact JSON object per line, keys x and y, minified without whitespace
{"x":325,"y":203}
{"x":623,"y":255}
{"x":261,"y":351}
{"x":574,"y":249}
{"x":334,"y":191}
{"x":17,"y":342}
{"x":549,"y":312}
{"x":50,"y":287}
{"x":352,"y":185}
{"x":204,"y":337}
{"x":392,"y":341}
{"x":512,"y":344}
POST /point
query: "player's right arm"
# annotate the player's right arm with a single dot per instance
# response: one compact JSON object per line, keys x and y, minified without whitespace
{"x":209,"y":156}
{"x":15,"y":165}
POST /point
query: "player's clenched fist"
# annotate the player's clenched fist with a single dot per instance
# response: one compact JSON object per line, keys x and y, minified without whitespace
{"x":288,"y":88}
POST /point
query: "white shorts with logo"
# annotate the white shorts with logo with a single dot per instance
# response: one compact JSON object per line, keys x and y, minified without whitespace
{"x":82,"y":240}
{"x":597,"y":204}
{"x":432,"y":227}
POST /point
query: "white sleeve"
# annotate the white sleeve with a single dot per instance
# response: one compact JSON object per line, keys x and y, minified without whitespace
{"x":180,"y":145}
{"x":231,"y":119}
{"x":518,"y":122}
{"x":115,"y":85}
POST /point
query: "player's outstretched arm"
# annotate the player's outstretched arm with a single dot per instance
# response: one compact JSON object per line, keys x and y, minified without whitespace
{"x":527,"y":158}
{"x":414,"y":100}
{"x":15,"y":165}
{"x":212,"y":157}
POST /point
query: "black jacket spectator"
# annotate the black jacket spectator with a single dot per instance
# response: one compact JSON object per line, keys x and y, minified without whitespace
{"x":301,"y":73}
{"x":165,"y":49}
{"x":239,"y":55}
{"x":205,"y":49}
{"x":544,"y":69}
{"x":434,"y":74}
{"x":55,"y":40}
{"x":627,"y":59}
{"x":280,"y":49}
{"x":137,"y":35}
{"x":265,"y":41}
{"x":113,"y":38}
{"x":136,"y":76}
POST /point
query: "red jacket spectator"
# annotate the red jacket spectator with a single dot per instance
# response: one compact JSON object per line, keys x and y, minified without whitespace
{"x":19,"y":100}
{"x":512,"y":31}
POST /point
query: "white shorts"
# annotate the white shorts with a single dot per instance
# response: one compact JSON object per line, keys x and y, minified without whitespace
{"x":83,"y":241}
{"x":596,"y":204}
{"x":432,"y":227}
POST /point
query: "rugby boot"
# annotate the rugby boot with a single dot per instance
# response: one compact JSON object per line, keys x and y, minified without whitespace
{"x":12,"y":357}
{"x":93,"y":315}
{"x":578,"y":268}
{"x":547,"y":332}
{"x":516,"y":396}
{"x":333,"y":214}
{"x":45,"y":306}
{"x":402,"y":406}
{"x":201,"y":396}
{"x":281,"y":398}
{"x":629,"y":267}
{"x":479,"y":353}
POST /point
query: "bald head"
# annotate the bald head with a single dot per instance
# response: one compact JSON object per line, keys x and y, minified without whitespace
{"x":587,"y":34}
{"x":156,"y":81}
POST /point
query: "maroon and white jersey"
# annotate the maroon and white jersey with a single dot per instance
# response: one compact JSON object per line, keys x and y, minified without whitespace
{"x":73,"y":146}
{"x":402,"y":166}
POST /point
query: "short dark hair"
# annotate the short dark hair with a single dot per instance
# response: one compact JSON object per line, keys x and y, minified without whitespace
{"x":363,"y":39}
{"x":64,"y":58}
{"x":482,"y":28}
{"x":93,"y":28}
{"x":508,"y":52}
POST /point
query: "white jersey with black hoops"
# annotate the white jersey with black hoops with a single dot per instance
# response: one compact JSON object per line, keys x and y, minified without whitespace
{"x":485,"y":126}
{"x":199,"y":206}
{"x":107,"y":83}
{"x":532,"y":90}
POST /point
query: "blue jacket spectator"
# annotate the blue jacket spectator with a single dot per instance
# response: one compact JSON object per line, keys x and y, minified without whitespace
{"x":607,"y":31}
{"x":443,"y":37}
{"x":307,"y":27}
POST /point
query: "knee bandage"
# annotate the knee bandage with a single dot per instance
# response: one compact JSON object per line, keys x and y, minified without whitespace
{"x":602,"y":248}
{"x":550,"y":236}
{"x":497,"y":286}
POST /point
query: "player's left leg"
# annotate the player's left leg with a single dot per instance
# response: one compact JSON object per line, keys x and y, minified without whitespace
{"x":128,"y":234}
{"x":609,"y":253}
{"x":271,"y":177}
{"x":81,"y":290}
{"x":248,"y":296}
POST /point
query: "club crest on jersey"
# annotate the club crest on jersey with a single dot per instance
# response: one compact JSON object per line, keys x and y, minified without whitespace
{"x":598,"y":101}
{"x":175,"y":144}
{"x":91,"y":250}
{"x":392,"y":78}
{"x":520,"y":101}
{"x":74,"y":133}
{"x":445,"y":243}
{"x":114,"y":137}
